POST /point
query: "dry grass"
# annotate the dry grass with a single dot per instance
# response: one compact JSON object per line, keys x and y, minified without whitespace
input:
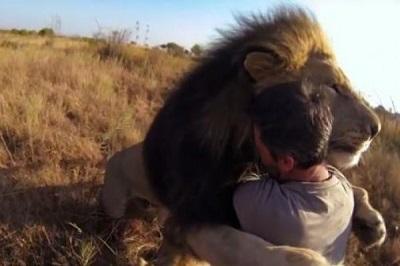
{"x":65,"y":106}
{"x":379,"y":173}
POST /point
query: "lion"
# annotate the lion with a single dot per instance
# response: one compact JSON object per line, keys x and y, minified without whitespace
{"x":200,"y":142}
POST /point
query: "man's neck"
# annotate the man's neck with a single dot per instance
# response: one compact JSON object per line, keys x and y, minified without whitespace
{"x":316,"y":173}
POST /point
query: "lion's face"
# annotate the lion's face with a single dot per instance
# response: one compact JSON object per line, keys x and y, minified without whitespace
{"x":355,"y":124}
{"x":294,"y":48}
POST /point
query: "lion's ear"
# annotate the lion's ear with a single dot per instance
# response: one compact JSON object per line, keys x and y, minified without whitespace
{"x":260,"y":64}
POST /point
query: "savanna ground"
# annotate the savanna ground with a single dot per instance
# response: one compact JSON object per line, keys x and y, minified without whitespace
{"x":66,"y":105}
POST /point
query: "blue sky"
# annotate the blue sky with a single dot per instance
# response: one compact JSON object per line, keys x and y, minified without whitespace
{"x":364,"y":33}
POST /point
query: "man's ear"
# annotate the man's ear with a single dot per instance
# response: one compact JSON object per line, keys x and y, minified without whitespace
{"x":286,"y":163}
{"x":260,"y":64}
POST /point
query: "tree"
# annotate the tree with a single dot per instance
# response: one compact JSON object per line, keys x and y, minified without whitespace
{"x":196,"y":49}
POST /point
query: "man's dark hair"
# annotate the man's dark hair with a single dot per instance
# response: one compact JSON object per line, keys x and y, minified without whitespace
{"x":293,"y":118}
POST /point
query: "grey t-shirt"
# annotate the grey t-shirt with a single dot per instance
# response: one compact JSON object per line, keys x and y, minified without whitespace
{"x":315,"y":215}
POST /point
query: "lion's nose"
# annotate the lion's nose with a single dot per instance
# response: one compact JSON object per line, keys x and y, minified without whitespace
{"x":371,"y":124}
{"x":374,"y":129}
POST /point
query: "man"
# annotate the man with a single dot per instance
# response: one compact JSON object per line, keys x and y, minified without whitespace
{"x":304,"y":202}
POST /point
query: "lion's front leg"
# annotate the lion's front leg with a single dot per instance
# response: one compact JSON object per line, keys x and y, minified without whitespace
{"x":125,"y":180}
{"x":368,"y":223}
{"x":226,"y":246}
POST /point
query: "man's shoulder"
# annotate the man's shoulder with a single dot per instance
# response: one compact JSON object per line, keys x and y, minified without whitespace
{"x":336,"y":172}
{"x":266,"y":196}
{"x":268,"y":192}
{"x":340,"y":176}
{"x":261,"y":203}
{"x":252,"y":189}
{"x":256,"y":192}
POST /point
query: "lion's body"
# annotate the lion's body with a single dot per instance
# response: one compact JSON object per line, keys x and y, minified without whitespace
{"x":200,"y":141}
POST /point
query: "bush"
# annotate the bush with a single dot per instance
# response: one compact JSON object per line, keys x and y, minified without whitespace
{"x":196,"y":50}
{"x":46,"y":32}
{"x":174,"y":49}
{"x":112,"y":45}
{"x":23,"y":32}
{"x":9,"y":44}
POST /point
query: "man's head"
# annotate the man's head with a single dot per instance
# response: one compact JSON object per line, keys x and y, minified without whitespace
{"x":292,"y":125}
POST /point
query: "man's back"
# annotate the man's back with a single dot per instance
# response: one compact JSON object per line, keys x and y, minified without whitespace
{"x":315,"y":215}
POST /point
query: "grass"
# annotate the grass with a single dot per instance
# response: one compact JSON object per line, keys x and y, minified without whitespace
{"x":64,"y":109}
{"x":378,"y":172}
{"x":66,"y":105}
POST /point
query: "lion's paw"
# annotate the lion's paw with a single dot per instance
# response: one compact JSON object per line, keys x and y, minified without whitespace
{"x":370,"y":229}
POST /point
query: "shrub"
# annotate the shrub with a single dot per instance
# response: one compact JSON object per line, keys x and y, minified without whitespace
{"x":196,"y":50}
{"x":23,"y":32}
{"x":174,"y":49}
{"x":9,"y":44}
{"x":111,"y":45}
{"x":46,"y":32}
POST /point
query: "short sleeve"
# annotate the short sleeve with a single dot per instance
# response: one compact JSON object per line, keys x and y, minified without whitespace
{"x":248,"y":201}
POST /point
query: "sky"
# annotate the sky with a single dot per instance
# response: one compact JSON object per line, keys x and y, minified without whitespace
{"x":365,"y":33}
